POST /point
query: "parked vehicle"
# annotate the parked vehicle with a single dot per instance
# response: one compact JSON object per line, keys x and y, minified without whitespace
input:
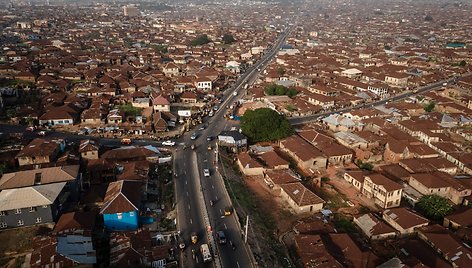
{"x":206,"y":172}
{"x":126,"y":141}
{"x":205,"y":250}
{"x":194,"y":136}
{"x":168,"y":143}
{"x":42,"y":133}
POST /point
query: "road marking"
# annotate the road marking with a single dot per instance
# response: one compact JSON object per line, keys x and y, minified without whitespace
{"x":220,"y":212}
{"x":226,"y":227}
{"x":185,"y":182}
{"x":191,"y":222}
{"x":196,"y":259}
{"x":187,"y":194}
{"x":212,"y":186}
{"x":189,"y":207}
{"x":238,"y":264}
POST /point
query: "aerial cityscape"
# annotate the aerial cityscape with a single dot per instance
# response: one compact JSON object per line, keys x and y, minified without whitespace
{"x":236,"y":134}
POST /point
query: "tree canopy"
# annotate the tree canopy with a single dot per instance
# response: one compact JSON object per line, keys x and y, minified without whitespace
{"x":434,"y":207}
{"x":279,"y":90}
{"x":228,"y":39}
{"x":200,"y":40}
{"x":265,"y":124}
{"x":429,"y":107}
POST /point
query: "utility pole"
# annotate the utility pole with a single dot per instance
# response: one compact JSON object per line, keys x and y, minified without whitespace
{"x":247,"y":225}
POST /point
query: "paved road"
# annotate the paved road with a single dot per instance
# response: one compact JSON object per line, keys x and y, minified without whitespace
{"x":194,"y":192}
{"x":421,"y":90}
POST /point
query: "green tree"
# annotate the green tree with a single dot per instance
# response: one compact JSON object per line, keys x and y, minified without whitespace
{"x":130,"y":110}
{"x":265,"y":124}
{"x":434,"y":207}
{"x":200,"y":40}
{"x":428,"y":18}
{"x":228,"y":39}
{"x":365,"y":165}
{"x":429,"y":107}
{"x":279,"y":90}
{"x":280,"y":71}
{"x":462,"y":63}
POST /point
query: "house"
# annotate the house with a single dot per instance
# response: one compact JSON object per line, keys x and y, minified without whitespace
{"x":160,"y":104}
{"x":233,"y":140}
{"x":312,"y":252}
{"x":59,"y":116}
{"x":275,"y":178}
{"x":273,"y":161}
{"x":337,"y":154}
{"x":301,"y":199}
{"x":404,"y":220}
{"x":351,"y":140}
{"x":73,"y":233}
{"x":32,"y":205}
{"x":121,"y":205}
{"x":189,"y":97}
{"x":337,"y":122}
{"x":345,"y":250}
{"x":374,"y":228}
{"x":171,"y":69}
{"x":248,"y":165}
{"x":306,"y":155}
{"x":88,"y":149}
{"x":115,"y":116}
{"x":40,"y":151}
{"x":203,"y":83}
{"x":135,"y":249}
{"x":457,"y":220}
{"x":91,"y":116}
{"x":447,"y":245}
{"x":396,"y":150}
{"x":356,"y":178}
{"x":385,"y":192}
{"x":397,"y":79}
{"x":442,"y":184}
{"x":45,"y":255}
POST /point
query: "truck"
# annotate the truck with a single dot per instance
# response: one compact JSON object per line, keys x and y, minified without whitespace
{"x":205,"y":253}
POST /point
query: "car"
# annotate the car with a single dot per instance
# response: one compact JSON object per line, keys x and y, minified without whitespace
{"x":30,"y":129}
{"x":182,"y":244}
{"x":216,"y":107}
{"x":221,"y":237}
{"x":168,"y":143}
{"x":209,"y":147}
{"x":206,"y":172}
{"x":126,"y":141}
{"x":209,"y":138}
{"x":42,"y":133}
{"x":194,"y":136}
{"x":235,"y":93}
{"x":228,"y":211}
{"x":349,"y":203}
{"x":210,"y":114}
{"x":193,"y":147}
{"x":202,"y":127}
{"x":194,"y":238}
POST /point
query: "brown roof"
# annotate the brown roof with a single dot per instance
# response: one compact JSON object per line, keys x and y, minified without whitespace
{"x":281,"y":176}
{"x":122,"y":196}
{"x":347,"y":252}
{"x":301,"y":148}
{"x":40,"y":147}
{"x":388,"y":184}
{"x":39,"y":176}
{"x":272,"y":159}
{"x":405,"y":217}
{"x":76,"y":221}
{"x":313,"y":253}
{"x":247,"y":161}
{"x":300,"y":194}
{"x":463,"y":218}
{"x":432,"y":180}
{"x":87,"y":146}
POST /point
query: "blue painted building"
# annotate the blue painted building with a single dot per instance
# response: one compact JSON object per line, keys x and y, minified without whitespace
{"x":121,"y":205}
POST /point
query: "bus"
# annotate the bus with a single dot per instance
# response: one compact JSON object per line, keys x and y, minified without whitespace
{"x":205,"y":253}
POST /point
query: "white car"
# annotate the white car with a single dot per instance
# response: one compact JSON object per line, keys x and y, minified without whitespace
{"x":235,"y":93}
{"x":206,"y":172}
{"x":168,"y":143}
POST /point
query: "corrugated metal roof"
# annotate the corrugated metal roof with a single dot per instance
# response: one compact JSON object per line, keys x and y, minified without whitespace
{"x":34,"y":196}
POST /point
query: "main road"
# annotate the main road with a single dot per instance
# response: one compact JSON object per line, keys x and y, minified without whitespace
{"x":421,"y":90}
{"x":200,"y":200}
